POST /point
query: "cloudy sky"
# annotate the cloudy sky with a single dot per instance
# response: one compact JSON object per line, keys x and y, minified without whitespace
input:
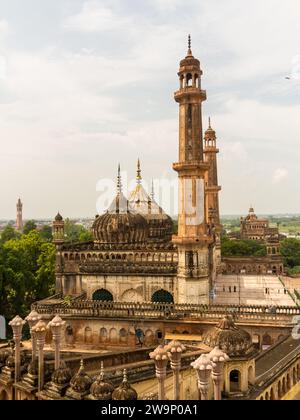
{"x":85,"y":85}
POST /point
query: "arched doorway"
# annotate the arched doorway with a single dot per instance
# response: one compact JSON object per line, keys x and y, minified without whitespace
{"x":3,"y":395}
{"x":162,"y":296}
{"x":103,"y":295}
{"x":251,"y":375}
{"x":266,"y":341}
{"x":123,"y":336}
{"x":235,"y":381}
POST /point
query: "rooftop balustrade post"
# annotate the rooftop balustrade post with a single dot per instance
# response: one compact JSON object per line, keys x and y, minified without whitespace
{"x":218,"y":359}
{"x":17,"y":326}
{"x":174,"y":351}
{"x":40,"y":329}
{"x":56,"y":326}
{"x":33,"y":318}
{"x":160,"y":357}
{"x":203,"y":367}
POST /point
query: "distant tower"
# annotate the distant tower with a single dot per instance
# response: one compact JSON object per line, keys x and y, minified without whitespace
{"x":212,"y":188}
{"x":194,"y":239}
{"x":19,"y":216}
{"x":58,"y":230}
{"x":58,"y":233}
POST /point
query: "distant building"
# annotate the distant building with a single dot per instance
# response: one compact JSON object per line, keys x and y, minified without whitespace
{"x":257,"y":229}
{"x":19,"y":224}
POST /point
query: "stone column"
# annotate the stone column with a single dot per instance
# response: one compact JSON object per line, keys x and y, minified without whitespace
{"x":174,"y":351}
{"x":203,"y":367}
{"x":56,"y":326}
{"x":40,"y":329}
{"x":160,"y":357}
{"x":218,"y":359}
{"x":17,"y":327}
{"x":33,"y":318}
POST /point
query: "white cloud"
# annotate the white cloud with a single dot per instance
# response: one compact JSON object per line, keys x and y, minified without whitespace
{"x":94,"y":17}
{"x":279,"y":175}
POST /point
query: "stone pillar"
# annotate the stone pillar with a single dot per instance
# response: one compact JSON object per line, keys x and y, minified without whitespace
{"x":160,"y":357}
{"x":203,"y":367}
{"x":175,"y":350}
{"x":40,"y":329}
{"x":17,"y":327}
{"x":56,"y":326}
{"x":33,"y":318}
{"x":218,"y":359}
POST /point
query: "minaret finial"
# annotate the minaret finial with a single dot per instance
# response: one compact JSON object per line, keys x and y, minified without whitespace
{"x":152,"y":191}
{"x":189,"y":45}
{"x":101,"y":376}
{"x":139,"y":173}
{"x":209,"y":122}
{"x":119,"y":181}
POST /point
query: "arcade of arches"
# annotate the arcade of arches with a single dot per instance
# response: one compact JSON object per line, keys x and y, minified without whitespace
{"x":160,"y":296}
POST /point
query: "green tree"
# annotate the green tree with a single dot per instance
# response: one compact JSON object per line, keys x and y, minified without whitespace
{"x":242,"y":248}
{"x":9,"y":233}
{"x":29,"y":226}
{"x":290,"y":250}
{"x":46,"y":233}
{"x":76,"y":233}
{"x":27,"y":273}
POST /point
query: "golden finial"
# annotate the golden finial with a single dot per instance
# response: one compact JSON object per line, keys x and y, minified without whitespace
{"x":209,"y":122}
{"x":139,"y":173}
{"x":119,"y":181}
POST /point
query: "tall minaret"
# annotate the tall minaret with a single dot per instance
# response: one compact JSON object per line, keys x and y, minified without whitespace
{"x":194,"y":236}
{"x":19,"y":216}
{"x":212,"y":188}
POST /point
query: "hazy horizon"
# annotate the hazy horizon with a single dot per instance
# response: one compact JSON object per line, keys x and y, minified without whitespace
{"x":86,"y":84}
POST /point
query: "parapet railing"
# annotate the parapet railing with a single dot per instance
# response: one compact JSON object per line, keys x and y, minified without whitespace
{"x":168,"y":311}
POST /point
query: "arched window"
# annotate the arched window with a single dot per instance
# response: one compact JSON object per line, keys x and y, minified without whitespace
{"x":113,"y":336}
{"x":162,"y":296}
{"x":123,"y":336}
{"x":103,"y":335}
{"x":103,"y":296}
{"x":88,"y":336}
{"x":189,"y":80}
{"x":235,"y":381}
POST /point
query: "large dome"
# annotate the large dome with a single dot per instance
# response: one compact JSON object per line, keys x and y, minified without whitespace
{"x":120,"y":225}
{"x":234,"y":341}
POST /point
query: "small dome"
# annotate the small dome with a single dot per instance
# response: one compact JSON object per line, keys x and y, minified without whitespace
{"x":125,"y":392}
{"x":101,"y":389}
{"x":234,"y":341}
{"x":62,"y":376}
{"x":120,"y":225}
{"x":81,"y":382}
{"x":58,"y":218}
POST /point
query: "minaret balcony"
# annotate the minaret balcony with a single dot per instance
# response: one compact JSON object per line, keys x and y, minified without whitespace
{"x":188,"y":92}
{"x":191,"y":168}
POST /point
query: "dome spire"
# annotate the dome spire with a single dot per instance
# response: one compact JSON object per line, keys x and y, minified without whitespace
{"x":209,"y":122}
{"x":119,"y":181}
{"x":152,"y":191}
{"x":139,"y":173}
